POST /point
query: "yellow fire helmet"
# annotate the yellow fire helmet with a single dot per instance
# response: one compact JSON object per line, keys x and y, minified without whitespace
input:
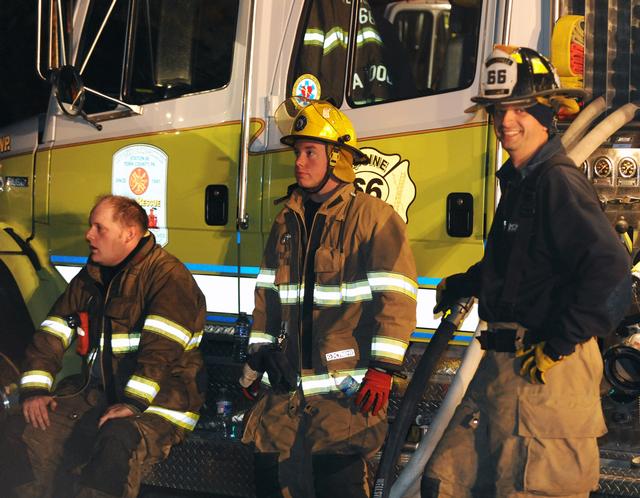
{"x":299,"y":119}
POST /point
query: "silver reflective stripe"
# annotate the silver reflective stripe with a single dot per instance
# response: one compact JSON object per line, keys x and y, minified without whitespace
{"x":314,"y":37}
{"x":195,"y":341}
{"x":142,"y":387}
{"x":388,"y":348}
{"x":290,"y":293}
{"x":58,"y":327}
{"x":381,"y":281}
{"x":257,"y":337}
{"x":349,"y":292}
{"x":368,"y":35}
{"x":36,"y":379}
{"x":326,"y":383}
{"x":267,"y":279}
{"x":187,"y":420}
{"x":125,"y":343}
{"x":336,"y":37}
{"x":167,"y":328}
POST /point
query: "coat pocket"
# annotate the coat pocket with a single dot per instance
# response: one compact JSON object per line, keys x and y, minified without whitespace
{"x":328,"y":265}
{"x":561,"y":450}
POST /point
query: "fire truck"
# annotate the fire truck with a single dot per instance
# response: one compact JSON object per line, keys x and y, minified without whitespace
{"x":172,"y":102}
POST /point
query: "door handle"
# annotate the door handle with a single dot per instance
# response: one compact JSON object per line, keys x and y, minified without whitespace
{"x":459,"y":214}
{"x":216,"y":205}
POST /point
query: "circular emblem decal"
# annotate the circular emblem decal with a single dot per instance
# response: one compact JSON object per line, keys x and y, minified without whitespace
{"x":138,"y":181}
{"x":306,"y":86}
{"x":300,"y":123}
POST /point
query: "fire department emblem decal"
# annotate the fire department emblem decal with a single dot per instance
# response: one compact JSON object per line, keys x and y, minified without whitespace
{"x":306,"y":86}
{"x":386,"y":176}
{"x":138,"y":181}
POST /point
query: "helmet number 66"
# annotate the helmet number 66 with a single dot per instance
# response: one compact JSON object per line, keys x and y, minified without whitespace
{"x":496,"y":76}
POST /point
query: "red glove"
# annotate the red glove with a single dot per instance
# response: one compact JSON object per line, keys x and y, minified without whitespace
{"x":374,"y":391}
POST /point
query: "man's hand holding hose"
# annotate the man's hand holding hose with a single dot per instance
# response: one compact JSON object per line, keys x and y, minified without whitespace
{"x":449,"y":291}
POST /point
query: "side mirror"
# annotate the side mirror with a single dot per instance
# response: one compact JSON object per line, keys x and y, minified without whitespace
{"x":69,"y":90}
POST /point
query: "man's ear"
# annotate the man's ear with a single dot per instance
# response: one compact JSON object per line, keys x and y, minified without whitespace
{"x":130,"y":233}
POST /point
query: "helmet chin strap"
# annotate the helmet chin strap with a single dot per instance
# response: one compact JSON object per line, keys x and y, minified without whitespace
{"x":333,"y":154}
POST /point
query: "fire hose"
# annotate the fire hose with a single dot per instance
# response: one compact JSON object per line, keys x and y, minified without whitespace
{"x":406,"y":413}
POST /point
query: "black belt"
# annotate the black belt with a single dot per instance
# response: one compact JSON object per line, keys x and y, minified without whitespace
{"x":503,"y":340}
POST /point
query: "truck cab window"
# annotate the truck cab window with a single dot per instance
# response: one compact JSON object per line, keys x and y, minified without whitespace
{"x":401,"y":50}
{"x":103,"y":69}
{"x":166,"y":49}
{"x":424,"y":47}
{"x":185,"y":46}
{"x":318,"y":67}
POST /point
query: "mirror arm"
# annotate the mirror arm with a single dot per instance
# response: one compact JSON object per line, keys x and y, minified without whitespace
{"x":39,"y":41}
{"x":84,"y":116}
{"x":136,"y":109}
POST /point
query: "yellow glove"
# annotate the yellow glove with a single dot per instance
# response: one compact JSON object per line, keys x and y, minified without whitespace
{"x":535,"y":363}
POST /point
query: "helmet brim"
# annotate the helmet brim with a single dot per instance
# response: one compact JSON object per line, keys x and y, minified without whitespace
{"x":525,"y":101}
{"x":358,"y":156}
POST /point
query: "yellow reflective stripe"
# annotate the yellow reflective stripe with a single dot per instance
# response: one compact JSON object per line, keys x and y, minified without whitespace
{"x":142,"y":387}
{"x":187,"y":420}
{"x":167,"y":328}
{"x":333,"y":295}
{"x":267,"y":279}
{"x":368,"y":35}
{"x":326,"y":383}
{"x":395,"y":282}
{"x":538,"y":66}
{"x":36,"y":379}
{"x":58,"y":327}
{"x":195,"y":341}
{"x":257,"y":337}
{"x":388,"y":348}
{"x":314,"y":37}
{"x":125,"y":343}
{"x":290,"y":293}
{"x":336,"y":37}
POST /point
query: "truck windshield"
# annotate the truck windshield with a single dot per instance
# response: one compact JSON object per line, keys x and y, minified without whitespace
{"x":152,"y":50}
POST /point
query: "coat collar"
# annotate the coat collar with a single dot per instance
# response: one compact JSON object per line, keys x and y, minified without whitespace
{"x":509,"y":173}
{"x":336,"y":203}
{"x":149,"y":242}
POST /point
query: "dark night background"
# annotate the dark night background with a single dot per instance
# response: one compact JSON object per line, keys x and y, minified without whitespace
{"x":22,"y":92}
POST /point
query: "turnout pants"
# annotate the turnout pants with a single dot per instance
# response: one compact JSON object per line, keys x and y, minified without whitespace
{"x":73,"y":458}
{"x":315,"y":446}
{"x":513,"y":439}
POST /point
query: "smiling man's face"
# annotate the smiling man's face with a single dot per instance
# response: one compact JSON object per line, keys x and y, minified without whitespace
{"x":519,"y":132}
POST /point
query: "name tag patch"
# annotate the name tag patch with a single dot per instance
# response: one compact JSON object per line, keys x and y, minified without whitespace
{"x":338,"y":355}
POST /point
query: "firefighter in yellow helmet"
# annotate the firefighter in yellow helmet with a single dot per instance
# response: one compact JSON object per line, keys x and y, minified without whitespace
{"x":319,"y":121}
{"x":554,"y":276}
{"x":335,"y":307}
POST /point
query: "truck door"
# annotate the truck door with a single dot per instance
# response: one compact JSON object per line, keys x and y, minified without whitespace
{"x":164,"y":81}
{"x":404,"y":73}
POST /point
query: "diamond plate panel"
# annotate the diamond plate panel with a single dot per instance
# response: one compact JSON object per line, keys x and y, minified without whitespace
{"x":207,"y":465}
{"x":619,"y":481}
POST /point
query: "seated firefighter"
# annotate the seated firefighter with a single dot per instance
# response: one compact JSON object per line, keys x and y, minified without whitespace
{"x":96,"y":435}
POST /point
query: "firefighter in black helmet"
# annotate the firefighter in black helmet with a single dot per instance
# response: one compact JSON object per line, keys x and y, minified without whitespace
{"x":554,"y":277}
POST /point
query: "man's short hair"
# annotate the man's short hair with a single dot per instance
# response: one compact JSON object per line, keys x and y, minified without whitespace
{"x":126,"y":210}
